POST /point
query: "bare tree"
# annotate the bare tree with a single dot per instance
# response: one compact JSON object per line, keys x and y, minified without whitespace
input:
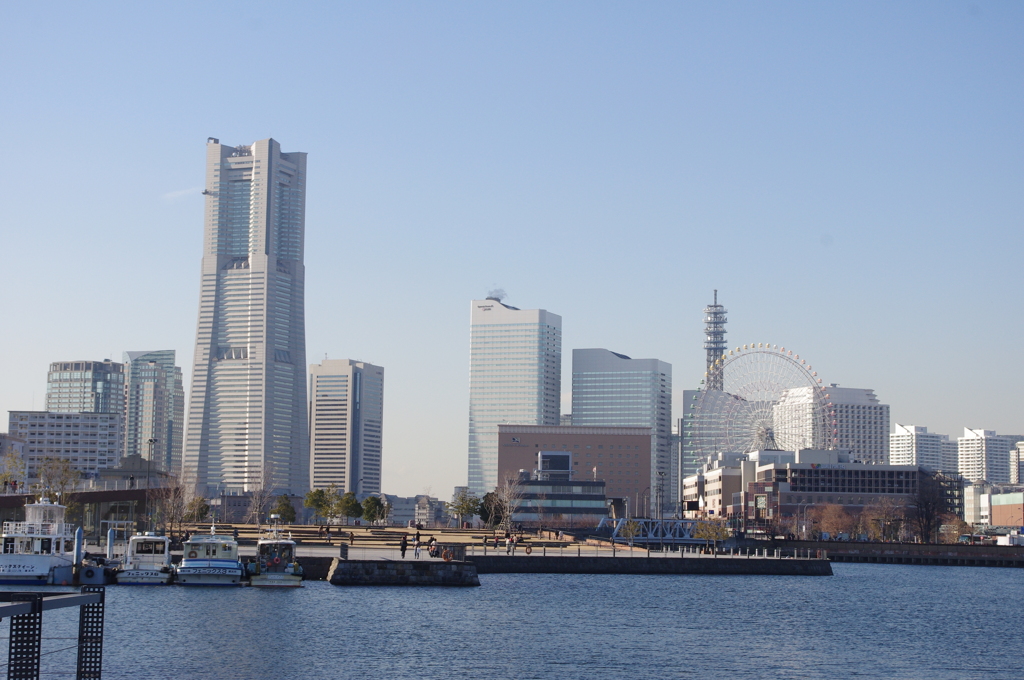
{"x":884,"y":518}
{"x":177,"y":503}
{"x":928,"y":506}
{"x":57,"y":476}
{"x":508,"y":494}
{"x":261,"y":487}
{"x":12,"y":466}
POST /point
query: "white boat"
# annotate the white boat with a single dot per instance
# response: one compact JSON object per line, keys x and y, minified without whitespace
{"x":147,"y":561}
{"x":40,"y":550}
{"x":209,"y":560}
{"x":276,"y":565}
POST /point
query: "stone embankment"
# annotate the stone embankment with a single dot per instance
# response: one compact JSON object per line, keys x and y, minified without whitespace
{"x":911,"y":553}
{"x":401,"y":573}
{"x":724,"y":565}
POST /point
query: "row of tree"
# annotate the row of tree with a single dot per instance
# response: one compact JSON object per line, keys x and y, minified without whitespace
{"x":331,"y":504}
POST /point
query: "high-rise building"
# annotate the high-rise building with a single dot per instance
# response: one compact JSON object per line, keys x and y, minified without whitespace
{"x":346,"y":422}
{"x":247,"y":418}
{"x":515,"y":376}
{"x":714,"y":340}
{"x":85,"y":387}
{"x":914,"y":445}
{"x":90,"y":441}
{"x":861,"y":422}
{"x":155,"y":408}
{"x":613,"y":390}
{"x":688,"y":452}
{"x":985,"y":455}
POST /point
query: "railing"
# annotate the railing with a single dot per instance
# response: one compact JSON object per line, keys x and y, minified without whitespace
{"x":37,"y":529}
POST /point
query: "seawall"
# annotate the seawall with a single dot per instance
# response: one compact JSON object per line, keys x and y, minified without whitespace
{"x":401,"y":573}
{"x":912,"y":553}
{"x":737,"y":566}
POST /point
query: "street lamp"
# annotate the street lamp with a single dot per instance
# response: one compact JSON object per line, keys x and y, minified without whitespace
{"x":149,"y":464}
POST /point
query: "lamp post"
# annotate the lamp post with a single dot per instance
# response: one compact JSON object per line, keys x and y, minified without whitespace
{"x":661,"y":510}
{"x":149,"y":464}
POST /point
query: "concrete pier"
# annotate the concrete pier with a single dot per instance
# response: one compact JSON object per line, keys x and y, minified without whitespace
{"x":401,"y":573}
{"x":724,"y":565}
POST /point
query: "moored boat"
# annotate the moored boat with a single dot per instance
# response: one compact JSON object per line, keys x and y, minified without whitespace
{"x":40,"y":550}
{"x":209,"y":560}
{"x":276,"y":565}
{"x":147,"y":561}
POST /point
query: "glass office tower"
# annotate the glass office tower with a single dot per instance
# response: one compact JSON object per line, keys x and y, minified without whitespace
{"x":155,"y":408}
{"x":515,"y":377}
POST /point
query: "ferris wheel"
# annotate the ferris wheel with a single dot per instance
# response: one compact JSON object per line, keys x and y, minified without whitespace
{"x":764,"y":398}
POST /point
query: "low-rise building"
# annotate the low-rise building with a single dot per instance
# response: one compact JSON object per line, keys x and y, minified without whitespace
{"x":1007,"y":509}
{"x":90,"y":441}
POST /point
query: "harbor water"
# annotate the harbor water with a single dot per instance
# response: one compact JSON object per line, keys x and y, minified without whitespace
{"x":868,"y":621}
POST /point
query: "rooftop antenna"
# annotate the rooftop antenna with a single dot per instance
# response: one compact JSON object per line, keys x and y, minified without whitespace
{"x":714,"y":341}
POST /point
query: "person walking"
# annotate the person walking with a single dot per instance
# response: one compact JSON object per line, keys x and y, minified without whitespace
{"x":416,"y":546}
{"x":328,"y":535}
{"x":404,"y":545}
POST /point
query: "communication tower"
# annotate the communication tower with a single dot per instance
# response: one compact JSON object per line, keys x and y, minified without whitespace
{"x":714,"y":341}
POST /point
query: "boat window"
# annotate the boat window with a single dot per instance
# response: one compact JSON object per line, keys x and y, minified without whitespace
{"x":8,"y":545}
{"x":45,"y":545}
{"x":159,"y":548}
{"x":145,"y":548}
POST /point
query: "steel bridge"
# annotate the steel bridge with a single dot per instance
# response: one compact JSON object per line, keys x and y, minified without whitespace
{"x":671,"y":531}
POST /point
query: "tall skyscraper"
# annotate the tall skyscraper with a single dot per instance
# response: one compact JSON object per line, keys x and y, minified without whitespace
{"x":247,"y":411}
{"x":155,"y":408}
{"x":346,"y":423}
{"x":612,"y":390}
{"x":85,"y":387}
{"x":515,"y":377}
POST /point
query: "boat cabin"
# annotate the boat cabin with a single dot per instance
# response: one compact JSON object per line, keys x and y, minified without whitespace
{"x":211,"y":548}
{"x":42,"y":533}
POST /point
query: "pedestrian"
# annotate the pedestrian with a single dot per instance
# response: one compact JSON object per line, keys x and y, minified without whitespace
{"x":351,"y":538}
{"x":404,"y":545}
{"x":416,"y":546}
{"x":514,"y":541}
{"x":234,"y":533}
{"x":417,"y":538}
{"x":320,"y":531}
{"x":508,"y":544}
{"x":328,"y":535}
{"x":495,"y":542}
{"x":432,"y":550}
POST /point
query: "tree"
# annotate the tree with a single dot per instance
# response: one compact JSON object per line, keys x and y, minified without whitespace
{"x":320,"y":501}
{"x":953,"y":528}
{"x":349,"y":506}
{"x":883,"y":519}
{"x":508,"y":494}
{"x":834,"y":519}
{"x":490,"y":510}
{"x":175,"y":504}
{"x":372,"y":509}
{"x":711,"y":531}
{"x":12,"y":466}
{"x":260,"y":486}
{"x":464,"y":504}
{"x":629,"y":530}
{"x":928,"y":505}
{"x":56,"y":477}
{"x":285,"y":509}
{"x":197,"y":510}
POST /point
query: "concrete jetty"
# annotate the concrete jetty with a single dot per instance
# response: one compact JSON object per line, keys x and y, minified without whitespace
{"x":401,"y":573}
{"x":723,"y":565}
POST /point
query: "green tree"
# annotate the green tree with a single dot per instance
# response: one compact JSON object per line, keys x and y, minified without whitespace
{"x":464,"y":504}
{"x":348,"y":506}
{"x":319,"y":501}
{"x":372,"y":509}
{"x":284,"y":508}
{"x":629,"y":530}
{"x":711,"y":531}
{"x":196,"y":510}
{"x":490,"y":510}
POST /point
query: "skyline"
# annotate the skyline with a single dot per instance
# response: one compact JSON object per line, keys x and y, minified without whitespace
{"x":847,"y":178}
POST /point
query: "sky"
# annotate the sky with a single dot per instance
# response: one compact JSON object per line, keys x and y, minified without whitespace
{"x":847,"y":175}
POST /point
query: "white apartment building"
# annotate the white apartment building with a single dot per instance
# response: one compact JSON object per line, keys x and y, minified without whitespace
{"x":91,"y":441}
{"x":1017,"y":463}
{"x":985,"y":456}
{"x":914,"y":445}
{"x":346,"y":424}
{"x":515,"y":377}
{"x":861,"y":422}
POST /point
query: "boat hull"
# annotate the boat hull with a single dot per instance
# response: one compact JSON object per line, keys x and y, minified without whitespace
{"x":34,"y":570}
{"x":209,"y":575}
{"x":144,"y":577}
{"x":275,"y":580}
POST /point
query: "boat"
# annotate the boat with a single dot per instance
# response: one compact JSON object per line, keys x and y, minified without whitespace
{"x":147,"y":561}
{"x":40,"y":550}
{"x":276,"y":565}
{"x":209,"y":560}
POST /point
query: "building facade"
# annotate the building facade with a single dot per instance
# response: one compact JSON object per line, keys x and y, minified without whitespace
{"x":90,"y":441}
{"x":85,"y":387}
{"x":613,"y":390}
{"x":515,"y":376}
{"x":618,"y":456}
{"x":985,"y":456}
{"x":914,"y":445}
{"x":154,"y":408}
{"x":247,"y":418}
{"x":346,"y":425}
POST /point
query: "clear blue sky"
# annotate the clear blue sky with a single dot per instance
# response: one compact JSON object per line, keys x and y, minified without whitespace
{"x":848,"y":176}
